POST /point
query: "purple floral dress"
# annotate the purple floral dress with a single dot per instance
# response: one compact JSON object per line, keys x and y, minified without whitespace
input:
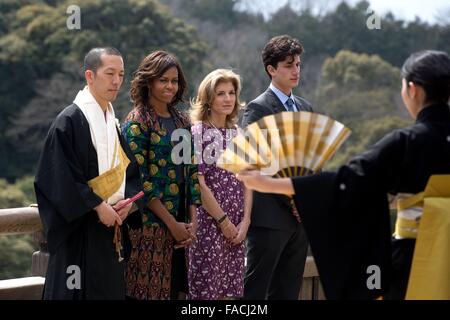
{"x":216,"y":267}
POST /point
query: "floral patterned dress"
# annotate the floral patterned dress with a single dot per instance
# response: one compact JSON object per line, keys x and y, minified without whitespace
{"x":216,"y":267}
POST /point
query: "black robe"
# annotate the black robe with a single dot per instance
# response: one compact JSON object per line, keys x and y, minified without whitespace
{"x":72,"y":228}
{"x":346,"y":213}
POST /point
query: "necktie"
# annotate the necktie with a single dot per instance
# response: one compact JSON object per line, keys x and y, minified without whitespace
{"x":290,"y":105}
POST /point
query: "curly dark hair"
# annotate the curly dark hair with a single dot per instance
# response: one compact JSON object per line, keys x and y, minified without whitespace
{"x":279,"y":48}
{"x":152,"y":67}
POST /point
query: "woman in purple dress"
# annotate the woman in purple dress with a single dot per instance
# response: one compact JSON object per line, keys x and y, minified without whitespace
{"x":216,"y":259}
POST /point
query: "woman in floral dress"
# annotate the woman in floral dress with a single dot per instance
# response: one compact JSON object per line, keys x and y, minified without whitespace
{"x":155,"y":270}
{"x":216,"y":259}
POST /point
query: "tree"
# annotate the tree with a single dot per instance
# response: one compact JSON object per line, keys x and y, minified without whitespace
{"x":221,"y":11}
{"x":26,"y":185}
{"x":40,"y":54}
{"x":443,"y":37}
{"x":361,"y":91}
{"x":11,"y":196}
{"x":365,"y":134}
{"x":15,"y":255}
{"x":16,"y":250}
{"x":349,"y":71}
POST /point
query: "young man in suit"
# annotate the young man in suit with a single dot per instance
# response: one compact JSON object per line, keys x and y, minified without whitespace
{"x":276,"y":241}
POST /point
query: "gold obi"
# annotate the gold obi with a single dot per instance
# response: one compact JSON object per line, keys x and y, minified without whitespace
{"x":426,"y":218}
{"x":106,"y":184}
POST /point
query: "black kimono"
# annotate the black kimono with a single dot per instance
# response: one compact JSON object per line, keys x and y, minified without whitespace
{"x":346,"y":214}
{"x":76,"y":238}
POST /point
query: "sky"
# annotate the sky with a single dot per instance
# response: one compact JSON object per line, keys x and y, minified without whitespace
{"x":432,"y":11}
{"x":427,"y":10}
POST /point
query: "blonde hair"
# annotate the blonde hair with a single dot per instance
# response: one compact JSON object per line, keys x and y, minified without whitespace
{"x":206,"y":94}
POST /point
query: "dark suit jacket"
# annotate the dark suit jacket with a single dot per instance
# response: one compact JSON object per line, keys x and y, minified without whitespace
{"x":270,"y":210}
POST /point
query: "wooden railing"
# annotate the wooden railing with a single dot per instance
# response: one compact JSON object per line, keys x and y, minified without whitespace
{"x":311,"y":286}
{"x":26,"y":220}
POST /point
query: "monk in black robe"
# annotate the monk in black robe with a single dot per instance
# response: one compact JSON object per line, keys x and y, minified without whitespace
{"x":78,"y":222}
{"x":346,"y":213}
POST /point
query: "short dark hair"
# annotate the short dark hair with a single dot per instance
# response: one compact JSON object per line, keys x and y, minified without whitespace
{"x":431,"y":70}
{"x":279,"y":48}
{"x":153,"y":67}
{"x":93,"y":61}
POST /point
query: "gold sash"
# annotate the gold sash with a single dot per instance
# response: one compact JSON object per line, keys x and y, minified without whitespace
{"x":430,"y":270}
{"x":106,"y":184}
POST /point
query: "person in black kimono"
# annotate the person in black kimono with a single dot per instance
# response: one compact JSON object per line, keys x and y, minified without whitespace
{"x":83,"y":143}
{"x":346,"y":213}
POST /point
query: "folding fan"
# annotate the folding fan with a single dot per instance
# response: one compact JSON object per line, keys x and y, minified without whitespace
{"x":285,"y":144}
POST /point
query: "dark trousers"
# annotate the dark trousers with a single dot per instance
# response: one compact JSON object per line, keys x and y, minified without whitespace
{"x":275,"y":263}
{"x":402,"y":256}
